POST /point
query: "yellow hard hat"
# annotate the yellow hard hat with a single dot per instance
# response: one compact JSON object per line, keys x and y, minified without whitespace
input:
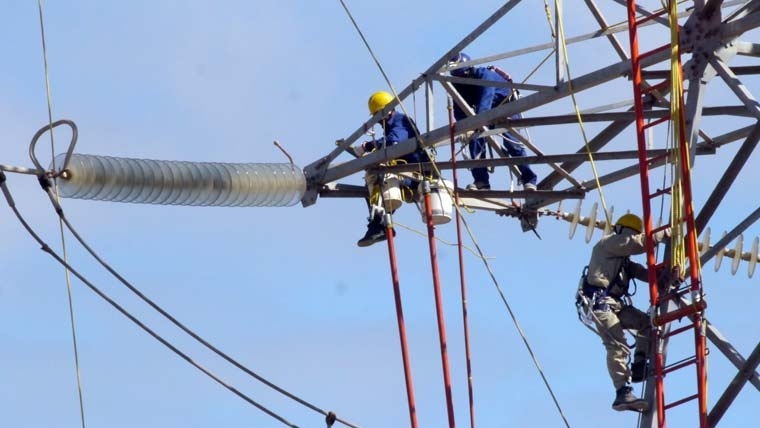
{"x":631,"y":221}
{"x":378,"y":100}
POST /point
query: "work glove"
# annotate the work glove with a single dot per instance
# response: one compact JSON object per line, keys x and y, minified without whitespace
{"x":464,"y":137}
{"x":671,"y":277}
{"x":368,"y":146}
{"x":361,"y":149}
{"x":662,"y":235}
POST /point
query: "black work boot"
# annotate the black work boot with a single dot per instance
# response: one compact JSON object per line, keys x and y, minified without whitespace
{"x":638,"y":369}
{"x":375,"y":233}
{"x":625,"y":400}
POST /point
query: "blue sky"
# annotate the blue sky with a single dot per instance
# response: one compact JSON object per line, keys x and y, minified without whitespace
{"x":285,"y":290}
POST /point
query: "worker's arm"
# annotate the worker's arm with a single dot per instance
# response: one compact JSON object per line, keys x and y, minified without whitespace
{"x":637,"y":271}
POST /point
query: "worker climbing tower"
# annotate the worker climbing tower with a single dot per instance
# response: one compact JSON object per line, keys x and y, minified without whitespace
{"x":669,"y":302}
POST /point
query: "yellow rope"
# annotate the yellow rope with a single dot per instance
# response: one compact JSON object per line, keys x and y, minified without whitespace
{"x":678,"y":251}
{"x":678,"y":208}
{"x":563,"y":47}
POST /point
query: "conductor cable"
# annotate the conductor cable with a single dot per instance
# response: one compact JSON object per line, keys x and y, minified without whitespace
{"x":104,"y":296}
{"x":176,"y":322}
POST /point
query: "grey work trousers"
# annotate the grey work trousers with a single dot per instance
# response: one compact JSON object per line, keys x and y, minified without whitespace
{"x":611,"y":325}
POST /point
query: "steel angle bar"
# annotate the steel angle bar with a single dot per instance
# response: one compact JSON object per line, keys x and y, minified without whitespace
{"x":530,"y":160}
{"x":617,"y":28}
{"x":607,"y":107}
{"x":630,"y":171}
{"x":480,"y":82}
{"x":529,"y":144}
{"x":616,"y":116}
{"x":340,"y":190}
{"x":746,"y":372}
{"x":749,"y":6}
{"x":730,"y":236}
{"x":736,"y":86}
{"x":739,"y":70}
{"x":559,"y":57}
{"x":733,"y":29}
{"x":616,"y":127}
{"x":730,"y":137}
{"x":729,"y":351}
{"x":596,"y":143}
{"x":725,"y":182}
{"x":551,"y":195}
{"x":429,"y":110}
{"x":693,"y":113}
{"x":604,"y":25}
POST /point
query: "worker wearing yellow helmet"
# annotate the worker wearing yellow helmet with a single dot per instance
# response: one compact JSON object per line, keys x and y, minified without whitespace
{"x":605,"y":294}
{"x":397,"y":127}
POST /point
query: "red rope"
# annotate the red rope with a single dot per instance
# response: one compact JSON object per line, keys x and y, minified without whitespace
{"x":439,"y":305}
{"x":462,"y":282}
{"x":401,"y":326}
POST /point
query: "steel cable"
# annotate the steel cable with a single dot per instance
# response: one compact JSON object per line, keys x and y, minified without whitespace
{"x":60,"y":224}
{"x":104,"y":296}
{"x":176,"y":322}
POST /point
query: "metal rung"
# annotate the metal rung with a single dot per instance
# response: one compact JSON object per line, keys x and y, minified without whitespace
{"x":656,"y":122}
{"x":675,"y":294}
{"x":660,"y":229}
{"x":681,"y":401}
{"x":653,"y":159}
{"x":657,"y":87}
{"x":654,"y":51}
{"x":660,"y":192}
{"x":651,"y":17}
{"x":692,"y":309}
{"x":678,"y":330}
{"x":679,"y":365}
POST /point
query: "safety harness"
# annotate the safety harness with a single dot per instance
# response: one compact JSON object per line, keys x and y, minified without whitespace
{"x":590,"y":298}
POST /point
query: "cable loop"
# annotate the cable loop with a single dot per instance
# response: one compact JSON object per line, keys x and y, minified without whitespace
{"x":72,"y":144}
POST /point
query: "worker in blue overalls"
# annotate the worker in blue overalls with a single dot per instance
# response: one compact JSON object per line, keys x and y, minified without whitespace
{"x":482,"y":99}
{"x":397,"y":127}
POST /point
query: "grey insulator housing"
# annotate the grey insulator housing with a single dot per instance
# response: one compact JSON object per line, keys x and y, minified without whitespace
{"x":147,"y":181}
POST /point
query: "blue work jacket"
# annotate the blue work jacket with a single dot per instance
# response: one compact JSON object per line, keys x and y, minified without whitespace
{"x":398,"y":127}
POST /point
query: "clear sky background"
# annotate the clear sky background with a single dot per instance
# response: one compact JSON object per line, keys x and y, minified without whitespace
{"x":285,"y":290}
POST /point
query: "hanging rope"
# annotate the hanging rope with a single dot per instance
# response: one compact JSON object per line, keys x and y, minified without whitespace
{"x":563,"y":46}
{"x":460,"y":254}
{"x":678,"y":249}
{"x":60,"y":223}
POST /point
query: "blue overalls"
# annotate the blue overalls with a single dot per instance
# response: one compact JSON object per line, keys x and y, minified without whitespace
{"x":484,"y":98}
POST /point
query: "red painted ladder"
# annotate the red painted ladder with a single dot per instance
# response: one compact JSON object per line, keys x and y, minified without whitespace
{"x":694,"y":305}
